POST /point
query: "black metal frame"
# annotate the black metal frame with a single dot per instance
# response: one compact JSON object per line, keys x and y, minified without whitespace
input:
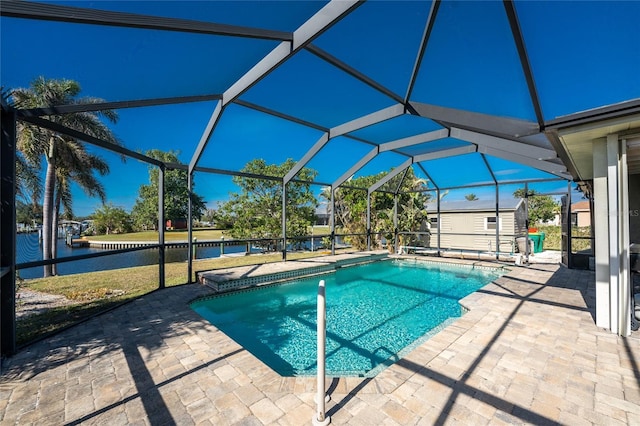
{"x":51,"y":12}
{"x":8,"y":232}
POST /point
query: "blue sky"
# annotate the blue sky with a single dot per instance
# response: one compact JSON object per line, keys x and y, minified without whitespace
{"x":583,"y":55}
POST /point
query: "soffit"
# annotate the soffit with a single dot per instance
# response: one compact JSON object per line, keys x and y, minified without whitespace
{"x":578,"y":142}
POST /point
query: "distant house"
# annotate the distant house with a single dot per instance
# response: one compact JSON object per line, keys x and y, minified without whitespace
{"x":322,"y":215}
{"x":176,"y":224}
{"x":471,"y":225}
{"x":556,"y":221}
{"x":581,"y":213}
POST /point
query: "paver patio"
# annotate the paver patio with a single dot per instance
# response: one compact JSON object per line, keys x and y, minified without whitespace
{"x":527,"y":352}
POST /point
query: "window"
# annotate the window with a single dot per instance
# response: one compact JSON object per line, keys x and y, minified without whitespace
{"x":574,"y":219}
{"x":490,"y":223}
{"x":433,"y":223}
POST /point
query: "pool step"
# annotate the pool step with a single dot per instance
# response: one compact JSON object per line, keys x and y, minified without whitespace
{"x":352,"y":261}
{"x":222,"y":280}
{"x":221,"y":283}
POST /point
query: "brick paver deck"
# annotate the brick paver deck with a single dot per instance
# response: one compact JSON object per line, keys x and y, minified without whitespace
{"x":528,"y":352}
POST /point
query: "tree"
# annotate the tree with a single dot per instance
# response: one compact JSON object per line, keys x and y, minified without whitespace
{"x":110,"y":219}
{"x":256,"y":210}
{"x":351,"y":208}
{"x":412,"y":212}
{"x":209,"y":215}
{"x":66,"y":157}
{"x":176,"y":195}
{"x":75,"y":167}
{"x":28,"y":182}
{"x":541,"y":207}
{"x":471,"y":197}
{"x":28,"y":213}
{"x":217,"y":218}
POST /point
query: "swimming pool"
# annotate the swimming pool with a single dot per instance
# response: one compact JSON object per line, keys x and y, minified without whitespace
{"x":376,"y":313}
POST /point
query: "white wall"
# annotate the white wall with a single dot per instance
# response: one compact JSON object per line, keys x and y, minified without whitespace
{"x":474,"y":225}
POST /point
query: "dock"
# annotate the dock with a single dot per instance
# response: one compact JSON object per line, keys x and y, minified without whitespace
{"x":76,"y":242}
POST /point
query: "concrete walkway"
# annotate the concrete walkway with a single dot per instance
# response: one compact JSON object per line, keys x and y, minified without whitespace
{"x":528,"y":352}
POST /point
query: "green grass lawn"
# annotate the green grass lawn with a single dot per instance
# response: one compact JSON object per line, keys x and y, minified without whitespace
{"x":96,"y":292}
{"x":200,"y":234}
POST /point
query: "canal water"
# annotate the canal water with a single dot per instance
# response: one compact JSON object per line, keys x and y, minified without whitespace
{"x":28,"y":250}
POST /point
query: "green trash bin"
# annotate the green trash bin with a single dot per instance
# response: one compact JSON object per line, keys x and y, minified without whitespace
{"x":537,"y":238}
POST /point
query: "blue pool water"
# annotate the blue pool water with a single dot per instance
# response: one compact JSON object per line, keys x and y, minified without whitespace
{"x":375,"y":314}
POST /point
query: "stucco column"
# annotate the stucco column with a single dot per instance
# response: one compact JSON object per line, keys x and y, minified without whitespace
{"x":611,"y":232}
{"x":601,"y":233}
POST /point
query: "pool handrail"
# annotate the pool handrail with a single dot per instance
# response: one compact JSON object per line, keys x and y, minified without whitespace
{"x":320,"y":418}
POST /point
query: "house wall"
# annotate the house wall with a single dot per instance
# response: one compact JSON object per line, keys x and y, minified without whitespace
{"x":176,"y":224}
{"x":584,"y":218}
{"x":476,"y":237}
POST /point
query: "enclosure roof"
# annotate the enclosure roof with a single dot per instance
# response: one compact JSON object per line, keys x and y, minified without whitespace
{"x":462,"y":92}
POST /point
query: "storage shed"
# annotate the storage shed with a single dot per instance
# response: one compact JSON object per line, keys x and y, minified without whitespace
{"x":471,"y":225}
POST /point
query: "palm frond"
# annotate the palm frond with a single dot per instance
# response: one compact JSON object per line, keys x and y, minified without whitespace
{"x":28,"y":182}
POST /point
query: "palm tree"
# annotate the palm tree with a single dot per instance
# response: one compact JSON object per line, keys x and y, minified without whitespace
{"x":67,"y":158}
{"x":75,"y":165}
{"x":28,"y":183}
{"x":471,"y":197}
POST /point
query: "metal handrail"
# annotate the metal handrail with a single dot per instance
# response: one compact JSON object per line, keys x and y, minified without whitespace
{"x":320,"y":417}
